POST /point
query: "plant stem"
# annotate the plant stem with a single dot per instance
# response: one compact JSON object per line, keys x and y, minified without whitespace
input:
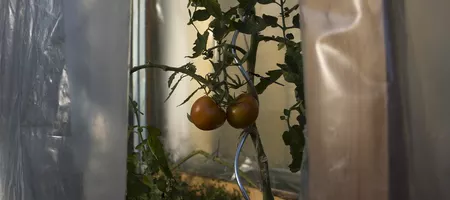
{"x":263,"y":163}
{"x":173,"y":69}
{"x":215,"y":159}
{"x":283,"y":18}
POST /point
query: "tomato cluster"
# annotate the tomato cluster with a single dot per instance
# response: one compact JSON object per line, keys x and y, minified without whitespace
{"x":207,"y":115}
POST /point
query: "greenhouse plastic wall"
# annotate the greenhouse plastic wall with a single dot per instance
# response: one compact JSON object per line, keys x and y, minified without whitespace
{"x":63,"y":102}
{"x":377,"y":97}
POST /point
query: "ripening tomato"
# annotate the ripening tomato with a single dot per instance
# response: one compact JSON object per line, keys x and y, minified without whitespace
{"x":206,"y":114}
{"x":243,"y":112}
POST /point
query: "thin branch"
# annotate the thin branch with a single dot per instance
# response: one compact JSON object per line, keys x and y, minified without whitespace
{"x":173,"y":69}
{"x":211,"y":86}
{"x":283,"y":18}
{"x":228,"y":46}
{"x":275,"y":39}
{"x":261,"y":155}
{"x":263,"y":163}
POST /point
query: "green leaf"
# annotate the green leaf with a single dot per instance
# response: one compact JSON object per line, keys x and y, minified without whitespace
{"x":215,"y":66}
{"x":300,"y":92}
{"x":292,"y":77}
{"x":283,"y":117}
{"x":200,"y":15}
{"x":266,"y":1}
{"x":171,"y":78}
{"x":174,"y":87}
{"x":161,"y":184}
{"x":286,"y":112}
{"x":200,"y":44}
{"x":132,"y":161}
{"x":190,"y":67}
{"x":296,"y":21}
{"x":280,"y":45}
{"x":292,"y":9}
{"x":148,"y":181}
{"x":219,"y":29}
{"x":141,"y":145}
{"x":286,"y":138}
{"x":247,"y":4}
{"x":228,"y":57}
{"x":270,"y":20}
{"x":293,"y":67}
{"x":190,"y":96}
{"x":274,"y":75}
{"x":231,"y":12}
{"x":135,"y":187}
{"x":290,"y":36}
{"x":213,"y":8}
{"x":158,"y":150}
{"x":253,"y":25}
{"x":296,"y":141}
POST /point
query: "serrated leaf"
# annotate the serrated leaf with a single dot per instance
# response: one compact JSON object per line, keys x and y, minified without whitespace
{"x":296,"y":163}
{"x":228,"y":57}
{"x":141,"y":146}
{"x":255,"y":24}
{"x":135,"y":187}
{"x":286,"y":138}
{"x":274,"y":75}
{"x":238,"y":79}
{"x":296,"y":21}
{"x":294,"y":63}
{"x":292,"y":77}
{"x":171,"y":78}
{"x":174,"y":87}
{"x":214,"y":65}
{"x":270,"y":20}
{"x":290,"y":36}
{"x":301,"y":119}
{"x":266,"y":1}
{"x":300,"y":92}
{"x":190,"y":96}
{"x":247,"y":4}
{"x":190,"y":67}
{"x":200,"y":44}
{"x":290,"y":10}
{"x":296,"y":142}
{"x":147,"y":181}
{"x":158,"y":150}
{"x":219,"y":28}
{"x":213,"y":8}
{"x":200,"y":15}
{"x":161,"y":184}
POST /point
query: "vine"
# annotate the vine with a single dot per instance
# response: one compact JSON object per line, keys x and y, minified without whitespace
{"x":220,"y":84}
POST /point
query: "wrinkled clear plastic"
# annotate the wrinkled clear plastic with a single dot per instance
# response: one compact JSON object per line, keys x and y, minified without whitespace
{"x":63,"y":103}
{"x":377,"y":98}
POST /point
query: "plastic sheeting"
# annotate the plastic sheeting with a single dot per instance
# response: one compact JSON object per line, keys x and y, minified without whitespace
{"x":345,"y":78}
{"x":419,"y":99}
{"x":377,"y":97}
{"x":63,"y":99}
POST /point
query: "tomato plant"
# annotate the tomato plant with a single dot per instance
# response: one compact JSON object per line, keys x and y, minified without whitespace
{"x":219,"y":84}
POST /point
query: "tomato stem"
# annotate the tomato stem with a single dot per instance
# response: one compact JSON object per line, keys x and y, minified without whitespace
{"x":254,"y":133}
